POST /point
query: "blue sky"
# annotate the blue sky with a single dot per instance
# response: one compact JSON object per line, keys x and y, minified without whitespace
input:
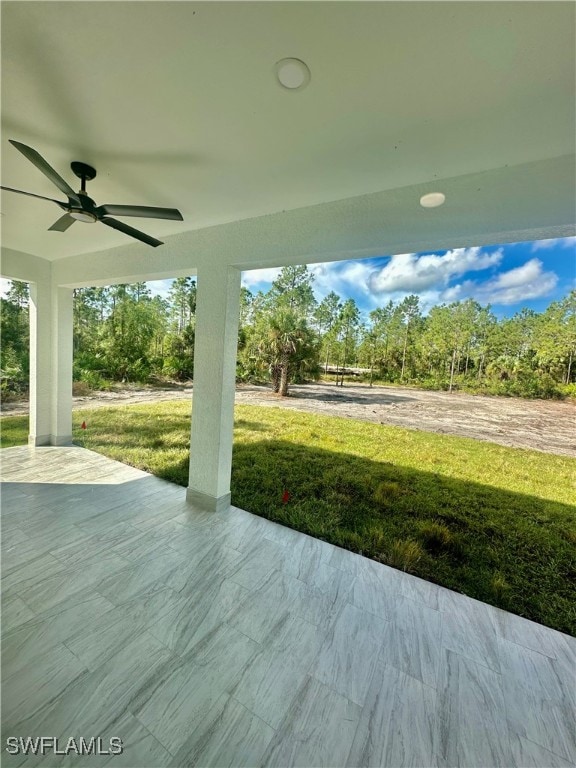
{"x":509,"y":277}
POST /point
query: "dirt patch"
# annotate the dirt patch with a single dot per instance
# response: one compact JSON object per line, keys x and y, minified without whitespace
{"x":542,"y":425}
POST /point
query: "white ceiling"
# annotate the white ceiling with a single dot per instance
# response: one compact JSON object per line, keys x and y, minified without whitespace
{"x":176,"y":104}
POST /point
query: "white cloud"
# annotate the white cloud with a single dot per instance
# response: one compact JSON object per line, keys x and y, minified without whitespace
{"x":255,"y":277}
{"x":160,"y":287}
{"x":342,"y":277}
{"x":4,"y":286}
{"x":529,"y":281}
{"x":558,"y":242}
{"x":409,"y":272}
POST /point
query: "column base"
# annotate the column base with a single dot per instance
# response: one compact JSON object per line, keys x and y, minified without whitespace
{"x":207,"y":502}
{"x":61,"y":440}
{"x":38,"y":440}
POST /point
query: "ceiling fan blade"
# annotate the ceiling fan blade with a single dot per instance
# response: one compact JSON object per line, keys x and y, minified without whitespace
{"x":31,"y":194}
{"x":145,"y":211}
{"x":121,"y":227}
{"x":46,"y":169}
{"x":62,"y":224}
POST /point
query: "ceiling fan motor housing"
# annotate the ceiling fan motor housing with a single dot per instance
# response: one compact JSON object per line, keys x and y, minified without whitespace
{"x":83,"y":171}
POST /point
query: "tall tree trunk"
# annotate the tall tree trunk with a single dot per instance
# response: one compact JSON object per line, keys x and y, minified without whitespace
{"x":480,"y":367}
{"x":452,"y":371}
{"x":326,"y":361}
{"x":284,"y":368}
{"x":371,"y":367}
{"x":343,"y":366}
{"x":275,"y":377}
{"x":568,"y":372}
{"x":466,"y":367}
{"x":404,"y":355}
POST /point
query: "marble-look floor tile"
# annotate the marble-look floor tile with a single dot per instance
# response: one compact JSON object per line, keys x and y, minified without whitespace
{"x":419,"y":590}
{"x":412,"y":641}
{"x":380,"y":599}
{"x":345,"y":561}
{"x":527,"y":754}
{"x":11,"y":535}
{"x":106,"y":636}
{"x":467,"y":629}
{"x":274,"y":675}
{"x":261,"y":610}
{"x":21,"y":646}
{"x":95,"y":701}
{"x":471,"y":728}
{"x":30,"y":573}
{"x":69,"y":584}
{"x":196,"y":615}
{"x":14,"y":613}
{"x":27,"y":692}
{"x":540,"y":720}
{"x":321,"y":600}
{"x":174,"y":703}
{"x":213,"y":562}
{"x":228,"y":736}
{"x":397,"y":723}
{"x":317,"y":731}
{"x":242,"y":532}
{"x":350,"y":652}
{"x":263,"y":558}
{"x":138,"y":578}
{"x":527,"y":633}
{"x":540,"y":675}
{"x":78,"y":550}
{"x":564,"y":647}
{"x":38,"y":544}
{"x":303,"y":560}
{"x":188,"y":538}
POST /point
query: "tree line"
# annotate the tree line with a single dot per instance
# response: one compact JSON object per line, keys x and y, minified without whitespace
{"x":123,"y":333}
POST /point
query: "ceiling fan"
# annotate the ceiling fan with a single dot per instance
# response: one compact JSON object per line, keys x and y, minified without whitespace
{"x":80,"y":207}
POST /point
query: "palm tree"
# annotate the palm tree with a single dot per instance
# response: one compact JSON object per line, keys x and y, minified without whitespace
{"x":288,"y":335}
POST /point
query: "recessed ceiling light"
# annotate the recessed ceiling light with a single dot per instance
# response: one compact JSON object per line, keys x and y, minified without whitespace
{"x":432,"y":200}
{"x":292,"y":74}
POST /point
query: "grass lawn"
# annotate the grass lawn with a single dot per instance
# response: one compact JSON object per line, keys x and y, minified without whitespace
{"x":496,"y":523}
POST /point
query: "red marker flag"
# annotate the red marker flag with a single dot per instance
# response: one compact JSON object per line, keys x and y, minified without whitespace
{"x":285,"y":497}
{"x":83,"y":425}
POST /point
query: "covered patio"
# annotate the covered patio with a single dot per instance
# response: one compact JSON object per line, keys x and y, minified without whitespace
{"x":228,"y":640}
{"x":196,"y":632}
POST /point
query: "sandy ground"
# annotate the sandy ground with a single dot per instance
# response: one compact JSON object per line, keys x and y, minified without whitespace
{"x":543,"y":425}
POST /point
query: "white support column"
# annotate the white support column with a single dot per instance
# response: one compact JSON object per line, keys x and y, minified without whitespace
{"x":216,"y":342}
{"x":50,"y":365}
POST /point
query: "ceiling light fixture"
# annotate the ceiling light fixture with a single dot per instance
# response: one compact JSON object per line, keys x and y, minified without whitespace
{"x":432,"y":200}
{"x":292,"y":74}
{"x":85,"y":216}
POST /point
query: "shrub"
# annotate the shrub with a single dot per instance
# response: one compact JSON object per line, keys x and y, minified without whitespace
{"x":568,"y":390}
{"x":435,"y":536}
{"x":80,"y":389}
{"x":404,"y":554}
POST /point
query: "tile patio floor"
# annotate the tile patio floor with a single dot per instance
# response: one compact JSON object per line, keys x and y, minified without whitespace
{"x":228,"y":640}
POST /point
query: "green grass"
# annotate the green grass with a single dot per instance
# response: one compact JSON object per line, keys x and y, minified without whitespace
{"x":13,"y":431}
{"x":493,"y":522}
